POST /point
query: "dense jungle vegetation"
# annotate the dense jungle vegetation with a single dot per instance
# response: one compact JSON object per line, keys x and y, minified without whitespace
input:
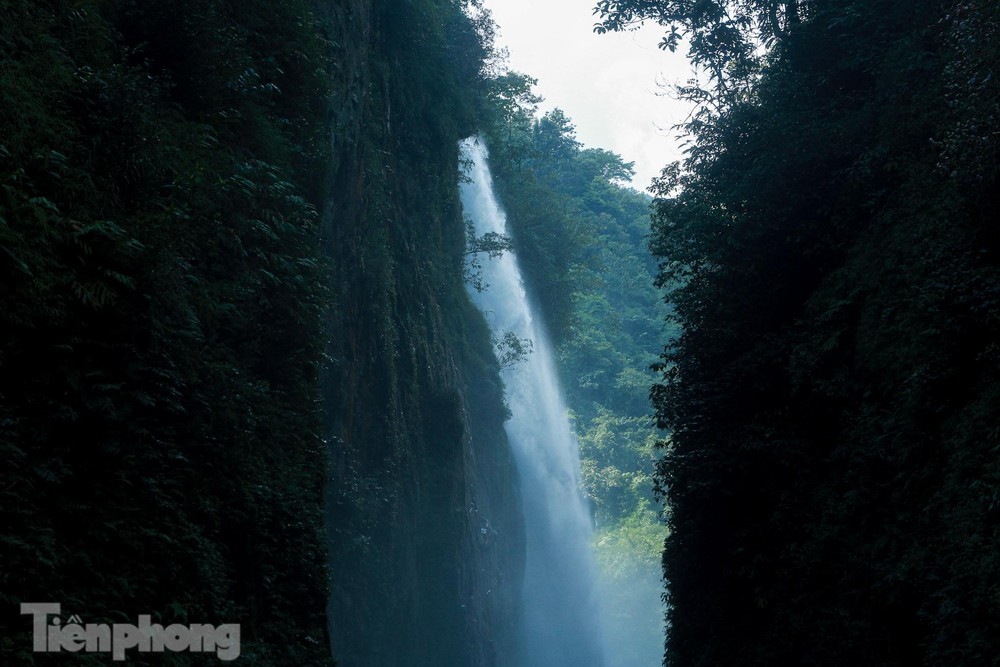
{"x":215,"y":219}
{"x":830,"y":249}
{"x":161,"y":317}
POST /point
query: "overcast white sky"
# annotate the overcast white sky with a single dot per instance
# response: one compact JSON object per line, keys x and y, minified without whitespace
{"x":607,"y":84}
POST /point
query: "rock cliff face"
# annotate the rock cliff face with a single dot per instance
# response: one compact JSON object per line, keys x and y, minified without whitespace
{"x":424,"y":521}
{"x":231,"y":264}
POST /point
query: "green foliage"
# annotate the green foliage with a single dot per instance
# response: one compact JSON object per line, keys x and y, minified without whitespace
{"x":580,"y":235}
{"x":175,"y":179}
{"x":829,"y":248}
{"x":527,"y":156}
{"x":511,"y":350}
{"x":628,"y":556}
{"x":161,"y":318}
{"x":617,"y":458}
{"x":722,"y":38}
{"x":491,"y":244}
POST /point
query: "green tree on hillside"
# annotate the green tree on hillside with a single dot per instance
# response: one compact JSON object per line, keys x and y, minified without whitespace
{"x":161,"y":318}
{"x":580,"y":233}
{"x":829,"y":247}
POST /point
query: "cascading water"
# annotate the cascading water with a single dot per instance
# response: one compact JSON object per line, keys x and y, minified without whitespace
{"x":561,"y":626}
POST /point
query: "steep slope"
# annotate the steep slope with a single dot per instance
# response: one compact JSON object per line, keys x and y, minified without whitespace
{"x":831,"y":249}
{"x":232,"y":278}
{"x":425,"y":534}
{"x":161,"y":301}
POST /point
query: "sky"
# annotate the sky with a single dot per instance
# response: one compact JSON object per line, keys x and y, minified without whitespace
{"x":609,"y":85}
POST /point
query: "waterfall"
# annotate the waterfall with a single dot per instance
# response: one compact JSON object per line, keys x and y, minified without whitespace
{"x":560,"y":613}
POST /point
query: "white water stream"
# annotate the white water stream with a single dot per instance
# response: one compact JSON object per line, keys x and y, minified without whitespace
{"x":561,"y":626}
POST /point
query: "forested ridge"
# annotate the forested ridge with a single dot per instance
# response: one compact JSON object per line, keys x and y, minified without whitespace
{"x":580,"y":232}
{"x":240,"y":380}
{"x":829,"y":246}
{"x":160,"y":309}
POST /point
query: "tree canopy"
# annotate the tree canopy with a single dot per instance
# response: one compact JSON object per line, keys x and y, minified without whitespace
{"x":829,"y":247}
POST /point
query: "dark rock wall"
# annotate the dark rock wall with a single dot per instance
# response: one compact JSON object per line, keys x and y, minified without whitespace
{"x":425,"y":536}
